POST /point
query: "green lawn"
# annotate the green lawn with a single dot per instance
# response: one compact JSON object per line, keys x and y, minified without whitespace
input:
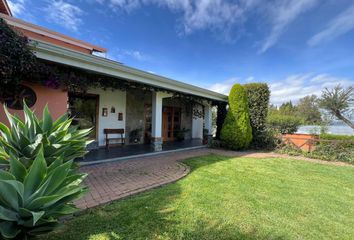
{"x":231,"y":198}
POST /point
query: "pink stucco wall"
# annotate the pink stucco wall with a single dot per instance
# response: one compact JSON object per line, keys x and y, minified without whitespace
{"x":56,"y":98}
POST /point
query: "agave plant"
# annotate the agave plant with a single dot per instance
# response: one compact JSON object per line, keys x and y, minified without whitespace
{"x":24,"y":138}
{"x":33,"y":199}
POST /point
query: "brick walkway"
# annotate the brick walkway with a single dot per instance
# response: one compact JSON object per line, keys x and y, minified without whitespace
{"x":112,"y":181}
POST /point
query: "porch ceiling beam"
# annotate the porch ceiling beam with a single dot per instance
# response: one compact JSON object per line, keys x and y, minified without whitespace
{"x":108,"y":67}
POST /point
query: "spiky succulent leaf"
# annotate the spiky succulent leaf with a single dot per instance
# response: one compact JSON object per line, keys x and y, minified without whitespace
{"x":32,"y":205}
{"x":24,"y":138}
{"x":40,"y":179}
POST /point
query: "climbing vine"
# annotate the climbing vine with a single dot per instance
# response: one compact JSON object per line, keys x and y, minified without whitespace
{"x":17,"y":62}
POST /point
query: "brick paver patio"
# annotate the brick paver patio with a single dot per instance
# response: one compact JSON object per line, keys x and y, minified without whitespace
{"x":112,"y":181}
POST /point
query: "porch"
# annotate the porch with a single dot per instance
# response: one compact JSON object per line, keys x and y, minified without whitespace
{"x":148,"y":121}
{"x":102,"y":155}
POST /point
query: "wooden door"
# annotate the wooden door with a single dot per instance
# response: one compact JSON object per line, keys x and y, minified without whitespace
{"x":171,"y":121}
{"x":83,"y":109}
{"x":167,"y":127}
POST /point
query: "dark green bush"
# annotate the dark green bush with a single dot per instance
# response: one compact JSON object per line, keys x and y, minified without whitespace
{"x":236,"y":132}
{"x":335,"y":148}
{"x":221,"y":115}
{"x":17,"y":62}
{"x":284,"y":124}
{"x":329,"y":148}
{"x":327,"y":136}
{"x":258,"y":100}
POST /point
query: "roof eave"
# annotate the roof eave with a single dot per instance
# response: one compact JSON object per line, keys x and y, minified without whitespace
{"x":105,"y":66}
{"x":7,"y":7}
{"x":15,"y":22}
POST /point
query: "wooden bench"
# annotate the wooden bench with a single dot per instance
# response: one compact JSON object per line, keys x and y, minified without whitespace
{"x":109,"y":131}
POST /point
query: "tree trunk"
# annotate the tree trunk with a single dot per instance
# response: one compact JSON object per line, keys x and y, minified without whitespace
{"x":344,"y":119}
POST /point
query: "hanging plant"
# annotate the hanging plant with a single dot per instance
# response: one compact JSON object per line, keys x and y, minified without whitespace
{"x":198,"y":110}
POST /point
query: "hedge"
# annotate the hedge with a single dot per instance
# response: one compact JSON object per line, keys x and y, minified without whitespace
{"x":327,"y":136}
{"x":331,"y":148}
{"x":258,"y":95}
{"x":236,"y":132}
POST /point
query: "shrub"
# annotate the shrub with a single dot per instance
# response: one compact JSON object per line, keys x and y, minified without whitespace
{"x":216,"y":144}
{"x":258,"y":100}
{"x":25,"y":138}
{"x":236,"y":132}
{"x":331,"y":148}
{"x":327,"y":136}
{"x":17,"y":62}
{"x":220,"y":118}
{"x":32,"y":199}
{"x":40,"y":179}
{"x":335,"y":148}
{"x":284,"y":124}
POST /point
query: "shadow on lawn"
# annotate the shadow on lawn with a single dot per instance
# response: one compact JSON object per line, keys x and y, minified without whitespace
{"x":154,"y":215}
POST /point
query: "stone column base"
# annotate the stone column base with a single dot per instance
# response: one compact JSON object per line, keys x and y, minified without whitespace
{"x":156,"y":144}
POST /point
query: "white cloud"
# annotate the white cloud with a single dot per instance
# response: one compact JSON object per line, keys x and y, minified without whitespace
{"x":298,"y":86}
{"x":195,"y":15}
{"x":292,"y":88}
{"x":17,"y":6}
{"x":136,"y":55}
{"x":226,"y":16}
{"x":120,"y":54}
{"x":224,"y":87}
{"x":340,"y":25}
{"x":127,"y":5}
{"x":64,"y":14}
{"x":282,"y":14}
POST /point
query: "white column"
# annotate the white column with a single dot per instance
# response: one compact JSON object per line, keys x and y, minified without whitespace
{"x":197,"y":124}
{"x":156,"y":128}
{"x":208,"y":118}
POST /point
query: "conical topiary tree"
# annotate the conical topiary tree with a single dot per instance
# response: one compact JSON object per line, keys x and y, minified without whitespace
{"x":236,"y":132}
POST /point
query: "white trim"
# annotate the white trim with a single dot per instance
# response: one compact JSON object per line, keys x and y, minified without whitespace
{"x":65,"y":56}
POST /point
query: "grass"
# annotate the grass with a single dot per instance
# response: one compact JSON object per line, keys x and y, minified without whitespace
{"x":231,"y":198}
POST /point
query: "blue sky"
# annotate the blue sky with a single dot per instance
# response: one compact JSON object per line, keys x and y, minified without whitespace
{"x":297,"y":46}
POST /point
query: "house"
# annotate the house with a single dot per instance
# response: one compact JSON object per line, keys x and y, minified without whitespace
{"x":149,"y":108}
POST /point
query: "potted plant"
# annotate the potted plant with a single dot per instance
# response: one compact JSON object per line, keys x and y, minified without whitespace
{"x":205,"y":136}
{"x":181,"y":133}
{"x":135,"y":136}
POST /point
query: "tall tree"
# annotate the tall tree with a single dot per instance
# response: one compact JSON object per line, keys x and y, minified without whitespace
{"x":287,"y":108}
{"x":339,"y":102}
{"x":308,"y":110}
